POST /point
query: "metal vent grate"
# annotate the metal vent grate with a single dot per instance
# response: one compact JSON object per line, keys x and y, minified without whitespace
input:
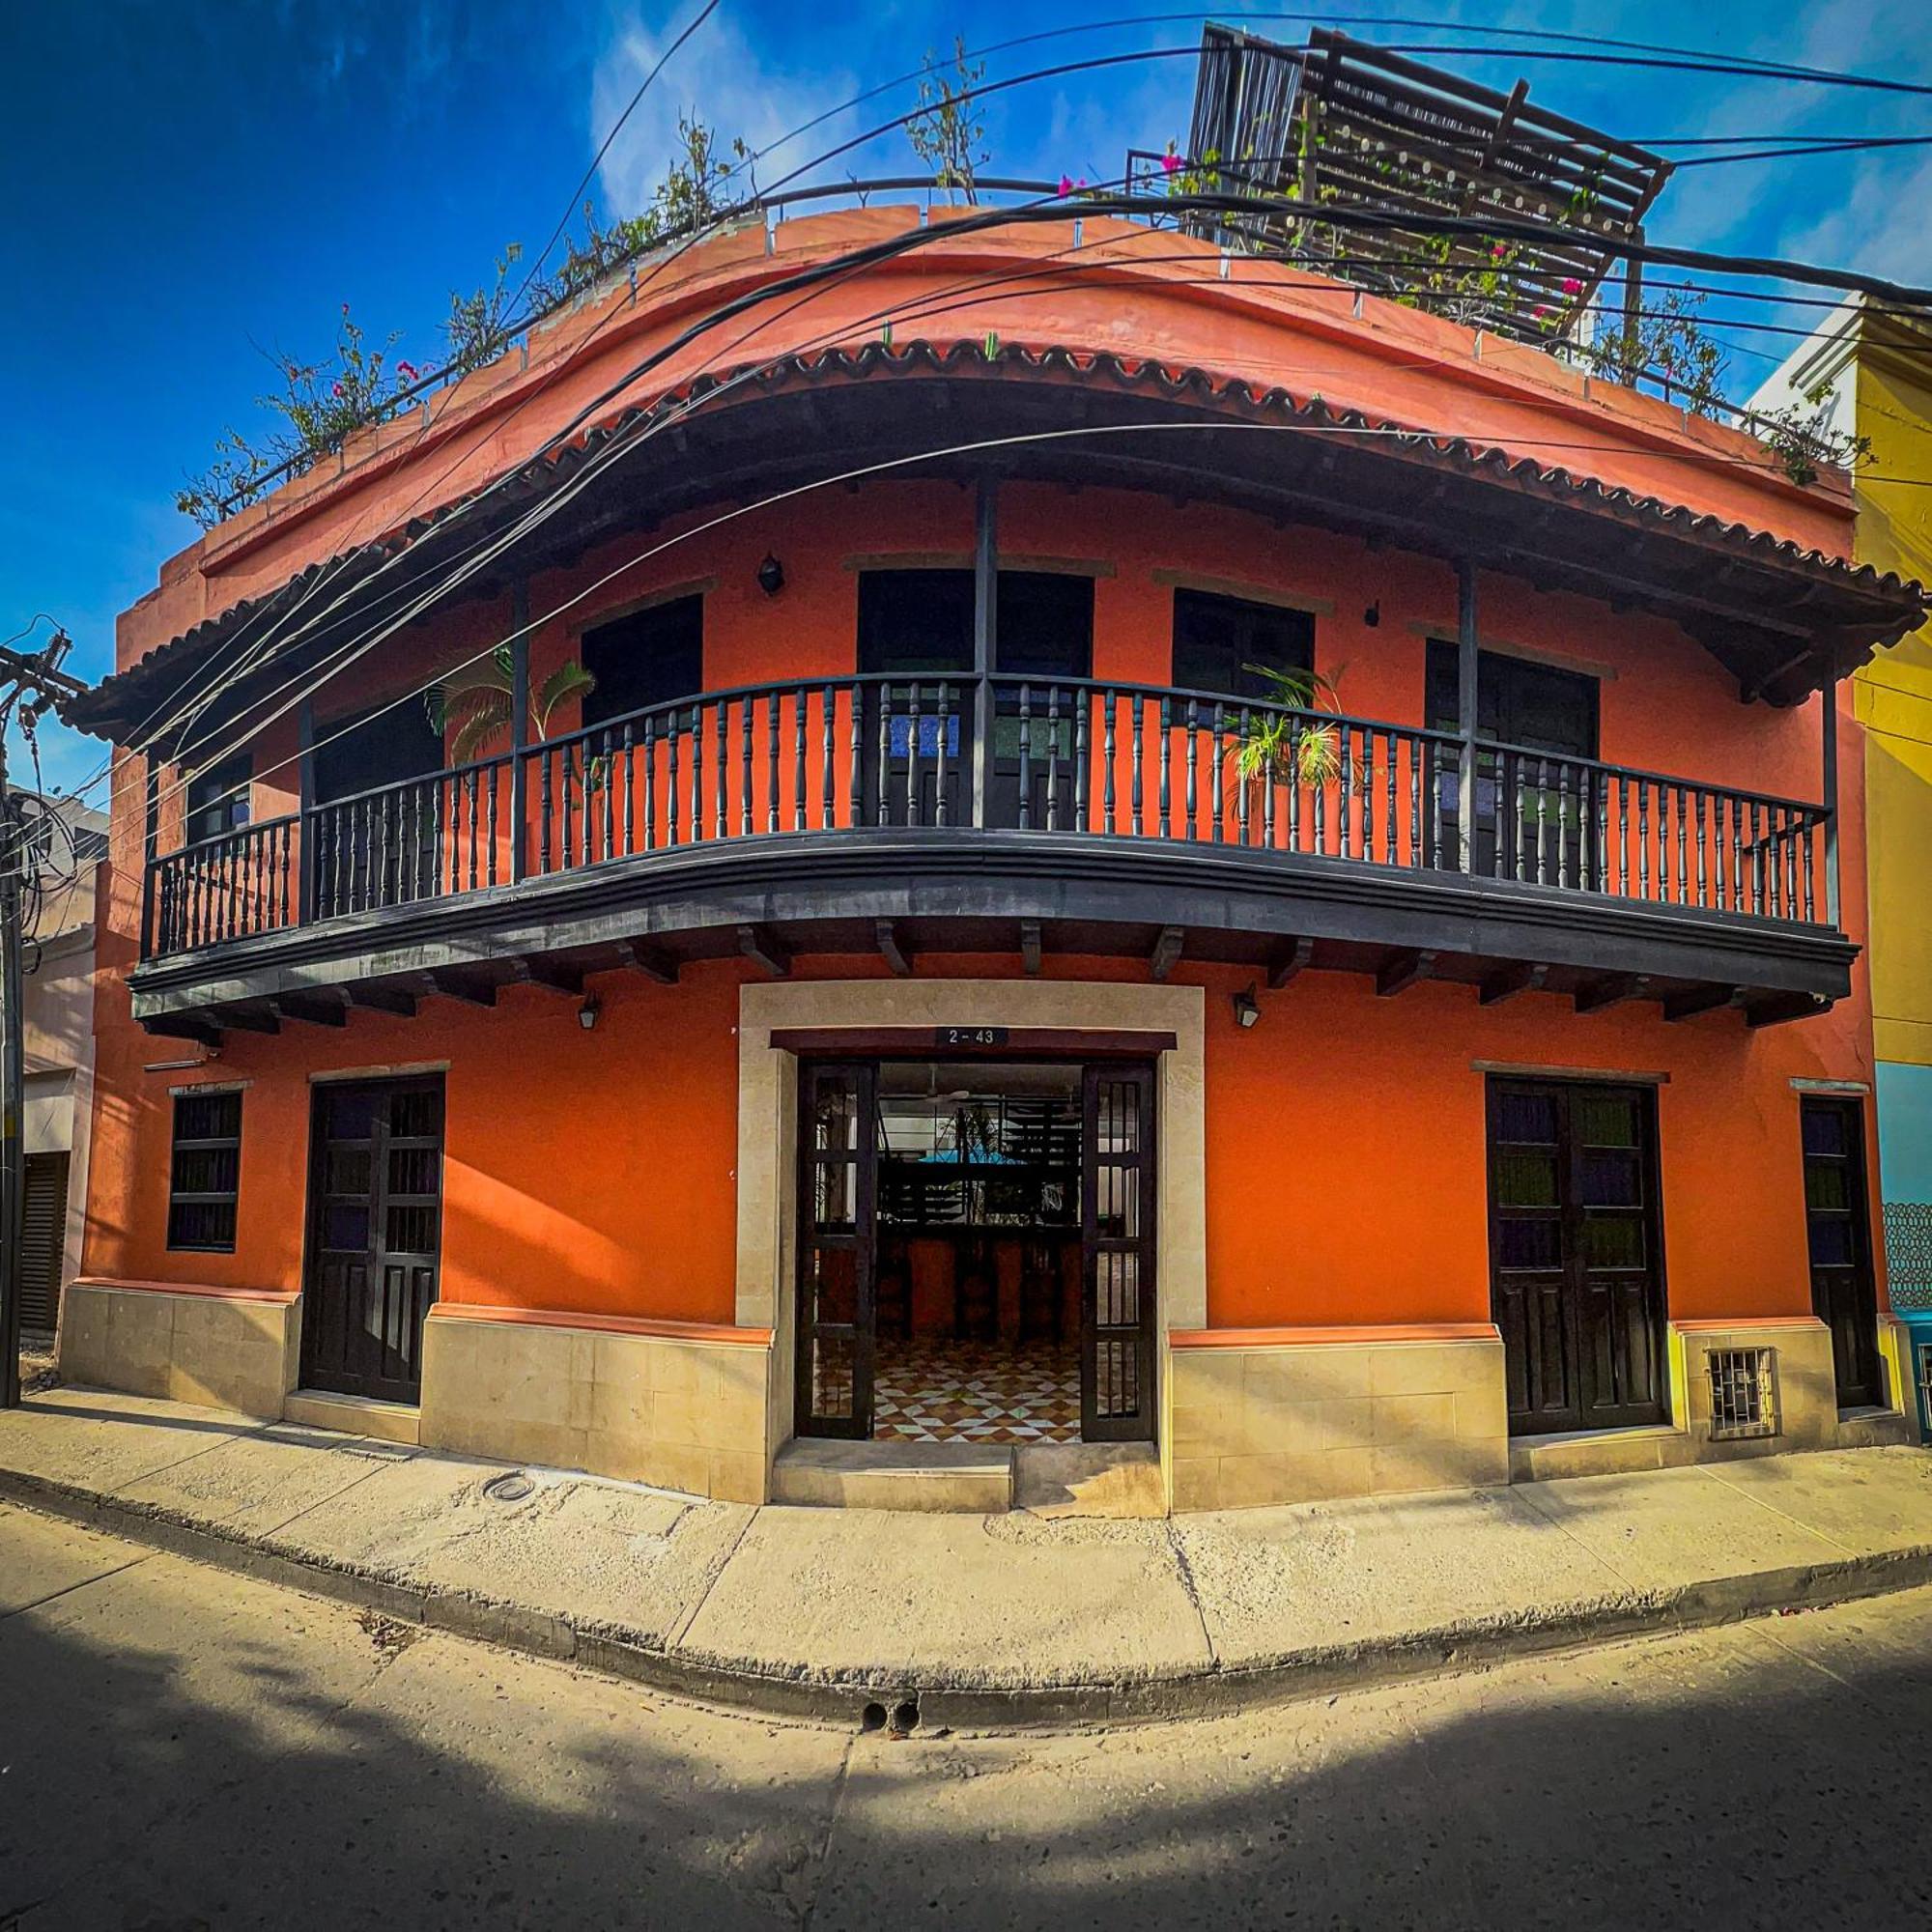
{"x":1741,"y":1401}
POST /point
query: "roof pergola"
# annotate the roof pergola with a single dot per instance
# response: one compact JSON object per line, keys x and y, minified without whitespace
{"x":1340,"y":122}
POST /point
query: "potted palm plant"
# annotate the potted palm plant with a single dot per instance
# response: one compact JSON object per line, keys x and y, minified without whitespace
{"x":476,"y":702}
{"x":1286,"y":741}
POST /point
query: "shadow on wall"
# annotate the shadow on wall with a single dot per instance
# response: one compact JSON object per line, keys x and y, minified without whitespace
{"x":243,"y":1788}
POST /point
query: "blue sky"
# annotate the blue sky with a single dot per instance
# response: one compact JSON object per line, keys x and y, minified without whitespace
{"x":193,"y":182}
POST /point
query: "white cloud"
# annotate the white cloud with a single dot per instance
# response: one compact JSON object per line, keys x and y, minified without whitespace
{"x":717,"y":77}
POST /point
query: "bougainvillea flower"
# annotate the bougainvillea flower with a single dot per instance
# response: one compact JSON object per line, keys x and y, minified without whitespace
{"x":1171,"y":161}
{"x":1572,"y":286}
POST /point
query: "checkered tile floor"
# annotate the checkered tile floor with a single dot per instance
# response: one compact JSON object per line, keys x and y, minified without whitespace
{"x":976,"y":1392}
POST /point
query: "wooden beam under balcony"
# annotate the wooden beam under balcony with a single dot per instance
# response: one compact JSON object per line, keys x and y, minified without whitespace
{"x":1166,"y":953}
{"x":385,"y":1000}
{"x":1611,"y":990}
{"x":652,"y":962}
{"x":1778,"y":1008}
{"x":887,"y":935}
{"x":1293,"y":959}
{"x":180,"y":1026}
{"x":1399,"y":970}
{"x":464,"y":983}
{"x":252,"y":1018}
{"x":553,"y":978}
{"x":1699,"y":1000}
{"x":759,"y":943}
{"x":1509,"y":980}
{"x":329,"y":1007}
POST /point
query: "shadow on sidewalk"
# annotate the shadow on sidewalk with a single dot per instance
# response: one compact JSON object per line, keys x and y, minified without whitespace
{"x":1748,"y":1789}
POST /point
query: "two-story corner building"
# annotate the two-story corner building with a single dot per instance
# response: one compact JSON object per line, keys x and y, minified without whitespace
{"x":932,"y":1000}
{"x":1869,"y":370}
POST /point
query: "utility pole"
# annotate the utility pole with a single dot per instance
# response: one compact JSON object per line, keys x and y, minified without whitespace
{"x":35,"y":683}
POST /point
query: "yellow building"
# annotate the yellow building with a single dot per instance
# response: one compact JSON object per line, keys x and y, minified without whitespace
{"x":1870,"y":370}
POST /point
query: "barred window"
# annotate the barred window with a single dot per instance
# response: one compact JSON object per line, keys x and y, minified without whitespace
{"x":206,"y":1171}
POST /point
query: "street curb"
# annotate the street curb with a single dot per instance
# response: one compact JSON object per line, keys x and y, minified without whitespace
{"x":869,"y":1699}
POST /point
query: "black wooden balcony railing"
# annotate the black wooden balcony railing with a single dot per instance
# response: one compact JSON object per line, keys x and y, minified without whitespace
{"x":1065,"y":760}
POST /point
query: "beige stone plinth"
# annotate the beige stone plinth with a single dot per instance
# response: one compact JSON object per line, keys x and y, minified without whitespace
{"x":681,"y":1412}
{"x":1288,"y":1422}
{"x":231,"y":1352}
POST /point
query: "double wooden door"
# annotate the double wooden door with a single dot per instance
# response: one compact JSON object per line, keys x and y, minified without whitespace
{"x":375,"y":1235}
{"x":1575,"y":1254}
{"x":837,"y":1249}
{"x":1837,"y":1228}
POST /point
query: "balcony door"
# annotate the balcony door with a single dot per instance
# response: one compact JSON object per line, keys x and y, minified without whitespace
{"x":1534,"y":819}
{"x":1575,"y":1254}
{"x":379,"y":839}
{"x":1837,"y":1228}
{"x":916,"y":633}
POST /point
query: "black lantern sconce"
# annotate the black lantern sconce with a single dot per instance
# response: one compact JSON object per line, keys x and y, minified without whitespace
{"x":771,"y":576}
{"x":1247,"y":1009}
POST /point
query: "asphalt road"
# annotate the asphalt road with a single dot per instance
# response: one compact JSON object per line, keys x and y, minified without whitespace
{"x":181,"y":1747}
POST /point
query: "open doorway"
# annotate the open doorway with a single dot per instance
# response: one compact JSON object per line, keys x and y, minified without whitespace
{"x":976,"y":1251}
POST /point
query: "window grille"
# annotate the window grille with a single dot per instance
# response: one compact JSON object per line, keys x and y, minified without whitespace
{"x":206,"y":1171}
{"x":1741,"y":1399}
{"x":1924,"y":1352}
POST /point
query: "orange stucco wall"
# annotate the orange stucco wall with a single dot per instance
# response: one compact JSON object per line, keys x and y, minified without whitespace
{"x":1345,"y":1180}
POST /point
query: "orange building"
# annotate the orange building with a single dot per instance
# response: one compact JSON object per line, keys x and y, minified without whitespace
{"x":1164,"y":857}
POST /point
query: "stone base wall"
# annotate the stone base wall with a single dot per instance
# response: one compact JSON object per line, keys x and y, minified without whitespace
{"x":229,"y":1351}
{"x":1289,"y":1417}
{"x":678,"y":1406}
{"x":1803,"y":1383}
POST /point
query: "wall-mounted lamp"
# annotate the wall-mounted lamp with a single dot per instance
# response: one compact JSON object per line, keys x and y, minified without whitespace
{"x":1373,"y":616}
{"x":586,"y":1013}
{"x":1247,"y":1009}
{"x":771,"y":576}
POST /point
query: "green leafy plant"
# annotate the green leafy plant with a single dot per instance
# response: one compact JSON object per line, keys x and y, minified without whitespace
{"x":1282,"y":742}
{"x":1802,"y":438}
{"x":949,"y":132}
{"x":477,"y":703}
{"x":1666,"y":345}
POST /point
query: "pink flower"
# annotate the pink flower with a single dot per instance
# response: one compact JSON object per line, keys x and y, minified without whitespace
{"x":1538,"y":312}
{"x":1572,"y":286}
{"x":1066,"y":184}
{"x":1497,"y":252}
{"x":407,"y":370}
{"x":335,"y":388}
{"x":1171,"y":161}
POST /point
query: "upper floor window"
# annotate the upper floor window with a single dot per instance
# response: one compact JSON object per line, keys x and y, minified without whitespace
{"x":1225,"y":645}
{"x":1518,"y":702}
{"x":654,"y":655}
{"x":919,"y":623}
{"x":204,"y":1173}
{"x":217,"y":798}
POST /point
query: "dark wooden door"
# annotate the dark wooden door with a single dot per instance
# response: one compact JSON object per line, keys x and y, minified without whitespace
{"x":1117,"y":1215}
{"x":1839,"y":1231}
{"x":838,"y":1185}
{"x":375,"y":1235}
{"x":1575,"y":1254}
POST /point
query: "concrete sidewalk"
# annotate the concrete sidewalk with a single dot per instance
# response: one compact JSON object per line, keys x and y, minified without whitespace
{"x":974,"y":1620}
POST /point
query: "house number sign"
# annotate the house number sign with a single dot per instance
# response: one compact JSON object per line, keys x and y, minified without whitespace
{"x":969,"y":1036}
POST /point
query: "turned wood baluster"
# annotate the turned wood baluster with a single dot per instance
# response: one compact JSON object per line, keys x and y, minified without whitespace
{"x":1193,"y":785}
